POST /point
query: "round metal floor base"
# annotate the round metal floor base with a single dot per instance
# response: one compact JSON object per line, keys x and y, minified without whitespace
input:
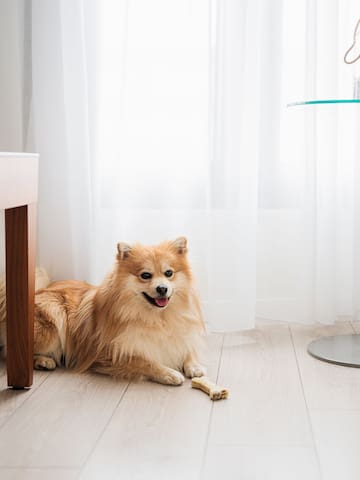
{"x":340,"y":349}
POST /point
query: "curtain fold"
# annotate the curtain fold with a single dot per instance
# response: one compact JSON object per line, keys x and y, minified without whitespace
{"x":61,"y":136}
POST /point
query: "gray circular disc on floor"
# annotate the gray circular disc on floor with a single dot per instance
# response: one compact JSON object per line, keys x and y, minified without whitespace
{"x":339,"y":349}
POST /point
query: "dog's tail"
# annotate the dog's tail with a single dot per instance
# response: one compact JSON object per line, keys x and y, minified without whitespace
{"x":41,"y":281}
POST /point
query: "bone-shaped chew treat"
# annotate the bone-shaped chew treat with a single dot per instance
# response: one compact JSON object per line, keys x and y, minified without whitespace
{"x":214,"y":391}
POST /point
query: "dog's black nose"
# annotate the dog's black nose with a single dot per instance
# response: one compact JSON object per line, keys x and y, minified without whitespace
{"x":161,"y":289}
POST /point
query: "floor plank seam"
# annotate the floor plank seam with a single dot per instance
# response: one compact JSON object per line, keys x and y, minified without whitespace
{"x":211,"y":410}
{"x":40,"y":467}
{"x":306,"y":404}
{"x":82,"y":467}
{"x":262,"y":445}
{"x":29,"y":394}
{"x":330,"y":409}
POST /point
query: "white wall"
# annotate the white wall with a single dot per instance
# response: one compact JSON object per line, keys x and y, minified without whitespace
{"x":11,"y":74}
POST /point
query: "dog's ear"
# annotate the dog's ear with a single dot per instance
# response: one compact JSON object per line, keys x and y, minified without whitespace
{"x":123,"y":250}
{"x":180,"y":245}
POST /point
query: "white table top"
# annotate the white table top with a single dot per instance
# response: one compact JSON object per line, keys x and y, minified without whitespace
{"x":18,"y":179}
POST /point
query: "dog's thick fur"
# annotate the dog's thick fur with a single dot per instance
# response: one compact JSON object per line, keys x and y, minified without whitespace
{"x":124,"y":327}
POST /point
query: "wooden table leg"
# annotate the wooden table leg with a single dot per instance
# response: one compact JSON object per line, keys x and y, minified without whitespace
{"x":20,"y":228}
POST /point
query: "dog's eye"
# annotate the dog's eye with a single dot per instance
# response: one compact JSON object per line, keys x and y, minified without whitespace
{"x":168,"y":273}
{"x":146,"y":275}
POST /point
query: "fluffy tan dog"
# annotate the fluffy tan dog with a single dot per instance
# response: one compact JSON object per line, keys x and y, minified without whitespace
{"x":143,"y":321}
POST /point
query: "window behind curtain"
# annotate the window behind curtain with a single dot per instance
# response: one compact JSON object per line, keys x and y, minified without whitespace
{"x":153,"y":103}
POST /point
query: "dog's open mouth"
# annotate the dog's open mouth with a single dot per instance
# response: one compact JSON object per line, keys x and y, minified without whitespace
{"x":158,"y":301}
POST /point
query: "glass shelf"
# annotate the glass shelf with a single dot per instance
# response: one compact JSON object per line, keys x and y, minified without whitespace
{"x":322,"y":102}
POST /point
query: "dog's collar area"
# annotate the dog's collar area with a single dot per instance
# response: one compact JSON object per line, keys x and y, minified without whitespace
{"x":159,"y":302}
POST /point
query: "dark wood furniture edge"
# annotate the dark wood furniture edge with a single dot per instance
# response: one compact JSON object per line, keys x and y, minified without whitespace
{"x":20,"y":238}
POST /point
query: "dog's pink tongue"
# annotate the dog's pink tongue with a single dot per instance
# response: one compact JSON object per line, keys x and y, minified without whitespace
{"x":161,"y":301}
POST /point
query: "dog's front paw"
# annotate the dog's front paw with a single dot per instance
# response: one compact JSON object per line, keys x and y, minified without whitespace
{"x":44,"y":363}
{"x":194,"y":370}
{"x":172,"y":377}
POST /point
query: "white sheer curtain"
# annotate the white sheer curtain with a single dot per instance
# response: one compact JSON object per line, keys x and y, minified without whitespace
{"x":160,"y":175}
{"x":122,"y":126}
{"x":165,"y":118}
{"x":63,"y":56}
{"x":308,"y":237}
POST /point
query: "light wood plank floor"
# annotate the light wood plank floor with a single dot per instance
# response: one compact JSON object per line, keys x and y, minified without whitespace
{"x":288,"y":417}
